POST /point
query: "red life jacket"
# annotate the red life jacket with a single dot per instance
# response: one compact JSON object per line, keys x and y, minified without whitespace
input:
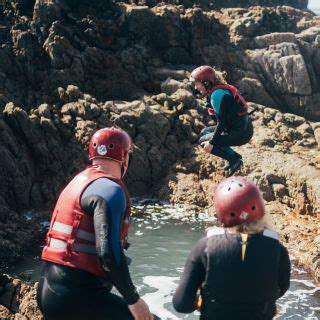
{"x":241,"y":102}
{"x":70,"y":240}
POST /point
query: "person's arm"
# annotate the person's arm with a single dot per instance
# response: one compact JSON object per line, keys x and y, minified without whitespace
{"x":284,"y":271}
{"x":107,"y":208}
{"x":223,"y":106}
{"x":191,"y":280}
{"x":211,"y":111}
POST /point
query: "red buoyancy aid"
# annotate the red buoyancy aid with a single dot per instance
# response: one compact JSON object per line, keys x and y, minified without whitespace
{"x":241,"y":102}
{"x":70,"y":240}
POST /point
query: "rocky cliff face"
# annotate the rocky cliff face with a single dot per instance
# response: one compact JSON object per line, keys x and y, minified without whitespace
{"x":114,"y":52}
{"x":218,"y":4}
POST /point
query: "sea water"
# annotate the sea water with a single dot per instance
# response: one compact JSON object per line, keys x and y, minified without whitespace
{"x":161,"y":238}
{"x":314,"y":5}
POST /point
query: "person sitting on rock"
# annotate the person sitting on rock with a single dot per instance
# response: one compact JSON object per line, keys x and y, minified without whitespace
{"x":229,"y":109}
{"x":240,"y":269}
{"x":84,"y":251}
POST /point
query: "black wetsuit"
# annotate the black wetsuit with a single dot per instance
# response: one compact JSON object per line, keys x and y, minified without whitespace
{"x":231,"y":288}
{"x":69,"y":293}
{"x":232,"y":129}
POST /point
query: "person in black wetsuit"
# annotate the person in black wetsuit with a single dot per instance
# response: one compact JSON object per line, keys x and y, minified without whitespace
{"x":84,"y":253}
{"x":242,"y":269}
{"x":229,"y":109}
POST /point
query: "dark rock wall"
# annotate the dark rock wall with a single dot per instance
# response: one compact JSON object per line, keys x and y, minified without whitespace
{"x":217,"y":4}
{"x":114,"y":52}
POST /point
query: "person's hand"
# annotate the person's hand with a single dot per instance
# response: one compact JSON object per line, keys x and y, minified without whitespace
{"x":140,"y":311}
{"x":207,"y":146}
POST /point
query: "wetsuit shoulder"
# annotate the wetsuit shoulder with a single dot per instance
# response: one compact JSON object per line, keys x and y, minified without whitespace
{"x":217,"y":97}
{"x":108,"y":190}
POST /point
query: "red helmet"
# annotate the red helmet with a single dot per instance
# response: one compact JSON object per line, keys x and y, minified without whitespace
{"x":110,"y":143}
{"x":203,"y":73}
{"x":238,"y":200}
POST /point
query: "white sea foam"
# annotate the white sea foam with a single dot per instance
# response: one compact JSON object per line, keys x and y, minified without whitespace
{"x":162,"y":296}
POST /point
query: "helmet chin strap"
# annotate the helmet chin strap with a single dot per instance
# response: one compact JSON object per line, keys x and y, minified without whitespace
{"x":208,"y":85}
{"x":123,"y":170}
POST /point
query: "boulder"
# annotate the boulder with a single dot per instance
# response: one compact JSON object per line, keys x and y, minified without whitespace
{"x":170,"y":86}
{"x":184,"y":96}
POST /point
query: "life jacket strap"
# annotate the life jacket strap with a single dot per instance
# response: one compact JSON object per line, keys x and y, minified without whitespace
{"x":78,"y":247}
{"x":67,"y":229}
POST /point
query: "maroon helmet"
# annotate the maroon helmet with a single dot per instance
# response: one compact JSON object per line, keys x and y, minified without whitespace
{"x":203,"y":73}
{"x":110,"y":143}
{"x":238,"y":200}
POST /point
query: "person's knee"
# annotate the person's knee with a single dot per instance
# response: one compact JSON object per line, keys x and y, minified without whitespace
{"x":207,"y":130}
{"x":206,"y":137}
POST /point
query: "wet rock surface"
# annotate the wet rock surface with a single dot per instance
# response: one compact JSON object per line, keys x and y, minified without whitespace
{"x":18,"y":300}
{"x":71,"y":67}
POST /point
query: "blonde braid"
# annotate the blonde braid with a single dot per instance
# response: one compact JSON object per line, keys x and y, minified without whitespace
{"x":220,"y":76}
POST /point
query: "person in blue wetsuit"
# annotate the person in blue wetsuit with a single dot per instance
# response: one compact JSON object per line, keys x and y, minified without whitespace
{"x":84,"y":252}
{"x":240,"y":269}
{"x":229,"y":109}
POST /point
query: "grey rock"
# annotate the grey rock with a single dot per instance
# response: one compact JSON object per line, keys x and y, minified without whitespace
{"x":73,"y":92}
{"x":184,"y":96}
{"x":44,"y":110}
{"x":280,"y":191}
{"x":170,"y":86}
{"x":274,"y":38}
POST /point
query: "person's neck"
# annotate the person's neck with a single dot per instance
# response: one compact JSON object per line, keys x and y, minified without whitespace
{"x":109,"y":167}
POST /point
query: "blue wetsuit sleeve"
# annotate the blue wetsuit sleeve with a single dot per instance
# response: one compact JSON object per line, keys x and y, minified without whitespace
{"x":105,"y":201}
{"x":191,"y":280}
{"x":113,"y":196}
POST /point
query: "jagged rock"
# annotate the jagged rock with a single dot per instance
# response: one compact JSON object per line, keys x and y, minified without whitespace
{"x":73,"y":92}
{"x":170,"y":86}
{"x":209,"y":4}
{"x":164,"y":73}
{"x":44,"y":111}
{"x":3,"y":100}
{"x":253,"y":87}
{"x":279,"y":190}
{"x":28,"y":307}
{"x":294,"y":120}
{"x":184,"y":96}
{"x":275,"y":38}
{"x":46,"y":11}
{"x":10,"y":296}
{"x":79,"y":109}
{"x":18,"y":300}
{"x":316,"y":130}
{"x":99,"y":57}
{"x":5,"y":313}
{"x":164,"y":100}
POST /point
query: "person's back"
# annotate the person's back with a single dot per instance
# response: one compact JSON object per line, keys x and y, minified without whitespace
{"x":250,"y":286}
{"x":241,"y":270}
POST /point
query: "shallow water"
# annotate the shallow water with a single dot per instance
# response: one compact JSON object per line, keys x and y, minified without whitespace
{"x":314,"y":5}
{"x":161,"y":241}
